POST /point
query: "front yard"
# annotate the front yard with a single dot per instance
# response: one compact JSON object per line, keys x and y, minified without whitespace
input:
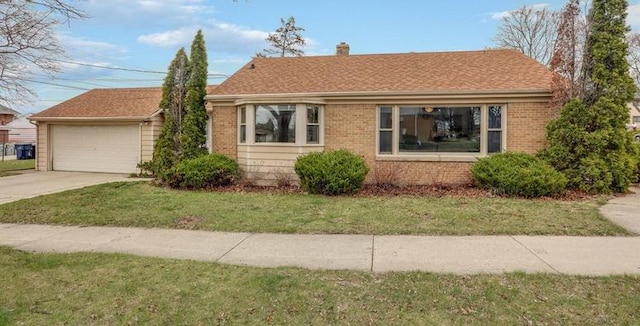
{"x":99,"y":289}
{"x":142,"y":205}
{"x":104,"y":289}
{"x":9,"y":167}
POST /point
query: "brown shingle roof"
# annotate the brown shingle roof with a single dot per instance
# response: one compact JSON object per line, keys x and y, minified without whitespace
{"x":108,"y":103}
{"x":467,"y":71}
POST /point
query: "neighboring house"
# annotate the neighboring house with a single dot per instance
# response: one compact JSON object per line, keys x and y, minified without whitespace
{"x":6,"y":116}
{"x":102,"y":130}
{"x":428,"y":116}
{"x":22,"y":131}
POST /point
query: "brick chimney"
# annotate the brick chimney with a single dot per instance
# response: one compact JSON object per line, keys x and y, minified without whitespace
{"x":342,"y":49}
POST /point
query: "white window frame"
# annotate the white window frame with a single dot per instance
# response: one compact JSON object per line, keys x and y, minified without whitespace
{"x":396,"y":154}
{"x":301,"y":124}
{"x":308,"y":124}
{"x":240,"y":124}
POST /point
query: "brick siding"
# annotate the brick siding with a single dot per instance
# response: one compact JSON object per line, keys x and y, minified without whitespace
{"x":526,"y":126}
{"x":353,"y":127}
{"x":224,"y":131}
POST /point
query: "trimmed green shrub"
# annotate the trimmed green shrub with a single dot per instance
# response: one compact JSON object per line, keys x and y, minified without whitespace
{"x":331,"y":172}
{"x":636,"y":147}
{"x":204,"y":172}
{"x":518,"y":174}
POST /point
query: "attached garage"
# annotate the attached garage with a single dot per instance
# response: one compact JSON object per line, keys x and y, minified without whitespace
{"x":102,"y":130}
{"x":96,"y":148}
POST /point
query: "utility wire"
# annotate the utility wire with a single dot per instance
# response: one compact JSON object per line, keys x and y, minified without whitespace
{"x":129,"y":69}
{"x":54,"y":84}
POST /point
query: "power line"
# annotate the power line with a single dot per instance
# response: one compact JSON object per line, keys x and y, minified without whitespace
{"x":54,"y":84}
{"x":112,"y":68}
{"x":130,"y":69}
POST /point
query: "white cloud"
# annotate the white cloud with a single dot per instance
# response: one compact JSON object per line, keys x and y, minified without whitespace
{"x":169,"y":38}
{"x":507,"y":13}
{"x":145,"y":13}
{"x":500,"y":15}
{"x":90,"y":48}
{"x":633,"y":15}
{"x":219,"y":36}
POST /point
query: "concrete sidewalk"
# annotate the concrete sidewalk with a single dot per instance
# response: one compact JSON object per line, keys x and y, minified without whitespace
{"x":460,"y":255}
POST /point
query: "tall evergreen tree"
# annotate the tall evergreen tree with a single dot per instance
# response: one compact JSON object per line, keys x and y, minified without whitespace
{"x":168,"y":147}
{"x":589,"y":143}
{"x":195,"y":121}
{"x":606,"y":66}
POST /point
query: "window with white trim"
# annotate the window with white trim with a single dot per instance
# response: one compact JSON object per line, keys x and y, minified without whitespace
{"x":427,"y":130}
{"x":242,"y":130}
{"x":385,"y":130}
{"x":313,"y":124}
{"x":275,"y":123}
{"x":292,"y":124}
{"x":494,"y":129}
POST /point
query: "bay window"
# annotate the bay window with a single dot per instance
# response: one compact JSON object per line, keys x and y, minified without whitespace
{"x":428,"y":130}
{"x":294,"y":124}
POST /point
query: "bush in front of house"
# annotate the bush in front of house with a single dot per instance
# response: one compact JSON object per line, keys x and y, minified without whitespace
{"x":331,"y":172}
{"x":203,"y":172}
{"x":518,"y":174}
{"x":636,"y":148}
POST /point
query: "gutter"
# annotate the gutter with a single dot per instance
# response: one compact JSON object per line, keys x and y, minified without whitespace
{"x":90,"y":119}
{"x":385,"y":95}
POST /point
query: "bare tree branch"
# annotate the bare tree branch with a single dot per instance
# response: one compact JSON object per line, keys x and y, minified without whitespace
{"x":634,"y":56}
{"x":531,"y":30}
{"x":28,"y":43}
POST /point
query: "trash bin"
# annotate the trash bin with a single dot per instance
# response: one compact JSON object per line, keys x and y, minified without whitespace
{"x":25,"y":151}
{"x":19,"y":151}
{"x":28,"y":151}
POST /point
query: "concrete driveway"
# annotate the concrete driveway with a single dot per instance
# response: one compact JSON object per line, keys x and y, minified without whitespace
{"x":30,"y":185}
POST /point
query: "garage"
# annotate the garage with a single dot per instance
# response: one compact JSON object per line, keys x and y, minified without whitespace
{"x":108,"y":130}
{"x":96,"y":148}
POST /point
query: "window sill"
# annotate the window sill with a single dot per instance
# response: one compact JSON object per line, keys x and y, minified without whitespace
{"x":448,"y":157}
{"x":279,"y":145}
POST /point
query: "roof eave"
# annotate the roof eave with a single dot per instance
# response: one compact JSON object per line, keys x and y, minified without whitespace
{"x":87,"y":119}
{"x":384,"y":95}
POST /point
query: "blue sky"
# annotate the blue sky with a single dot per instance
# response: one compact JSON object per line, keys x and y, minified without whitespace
{"x":145,"y":34}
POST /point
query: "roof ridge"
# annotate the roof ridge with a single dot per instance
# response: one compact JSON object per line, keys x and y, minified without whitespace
{"x":392,"y":54}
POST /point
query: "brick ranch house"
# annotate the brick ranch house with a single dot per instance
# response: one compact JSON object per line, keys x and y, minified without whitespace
{"x":429,"y":116}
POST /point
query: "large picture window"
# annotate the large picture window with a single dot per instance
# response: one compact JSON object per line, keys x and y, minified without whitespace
{"x":422,"y":129}
{"x":275,"y":123}
{"x":440,"y":129}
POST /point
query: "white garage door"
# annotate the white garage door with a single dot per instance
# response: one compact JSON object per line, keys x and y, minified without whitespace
{"x":113,"y":149}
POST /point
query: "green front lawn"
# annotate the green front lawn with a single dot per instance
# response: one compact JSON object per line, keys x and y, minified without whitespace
{"x":9,"y":167}
{"x":102,"y":289}
{"x":142,"y":205}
